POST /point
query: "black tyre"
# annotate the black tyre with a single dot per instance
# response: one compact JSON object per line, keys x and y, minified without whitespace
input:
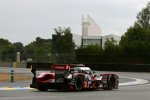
{"x":110,"y":83}
{"x":65,"y":85}
{"x":78,"y":83}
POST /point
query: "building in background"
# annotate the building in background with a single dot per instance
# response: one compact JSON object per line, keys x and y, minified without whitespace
{"x":77,"y":39}
{"x":91,"y":32}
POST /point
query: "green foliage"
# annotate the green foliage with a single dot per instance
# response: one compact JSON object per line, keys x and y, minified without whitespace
{"x":90,"y":50}
{"x":111,"y":48}
{"x":64,"y":41}
{"x":143,"y":18}
{"x":90,"y":53}
{"x":18,"y":45}
{"x":135,"y":42}
{"x":39,"y":50}
{"x":63,"y":45}
{"x":7,"y":51}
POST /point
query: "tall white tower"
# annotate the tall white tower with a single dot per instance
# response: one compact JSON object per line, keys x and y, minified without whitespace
{"x":91,"y":32}
{"x":89,"y":27}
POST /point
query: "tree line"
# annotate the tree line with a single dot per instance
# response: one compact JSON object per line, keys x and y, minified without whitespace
{"x":37,"y":50}
{"x":134,"y":46}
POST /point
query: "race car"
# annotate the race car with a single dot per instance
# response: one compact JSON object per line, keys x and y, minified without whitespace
{"x":71,"y":77}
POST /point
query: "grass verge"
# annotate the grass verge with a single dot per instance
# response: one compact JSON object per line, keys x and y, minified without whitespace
{"x":17,"y":77}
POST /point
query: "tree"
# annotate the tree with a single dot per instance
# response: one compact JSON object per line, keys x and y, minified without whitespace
{"x":39,"y":50}
{"x":7,"y":51}
{"x":111,"y":48}
{"x":89,"y":54}
{"x":135,"y":42}
{"x":143,"y":18}
{"x":63,"y":45}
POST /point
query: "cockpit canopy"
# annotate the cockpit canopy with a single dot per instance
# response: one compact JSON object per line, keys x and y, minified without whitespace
{"x":85,"y":70}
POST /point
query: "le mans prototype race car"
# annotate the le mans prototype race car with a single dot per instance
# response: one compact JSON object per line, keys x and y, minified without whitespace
{"x":70,"y":77}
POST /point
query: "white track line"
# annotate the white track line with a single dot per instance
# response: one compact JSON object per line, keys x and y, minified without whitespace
{"x":15,"y":88}
{"x":136,"y":82}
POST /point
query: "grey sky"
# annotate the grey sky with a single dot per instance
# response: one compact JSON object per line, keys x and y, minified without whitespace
{"x":24,"y":20}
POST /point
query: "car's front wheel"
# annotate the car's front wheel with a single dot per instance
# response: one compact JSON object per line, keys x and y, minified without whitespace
{"x":110,"y":83}
{"x":78,"y":83}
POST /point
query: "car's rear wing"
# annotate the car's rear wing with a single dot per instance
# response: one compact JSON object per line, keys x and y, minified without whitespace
{"x":38,"y":66}
{"x":49,"y":66}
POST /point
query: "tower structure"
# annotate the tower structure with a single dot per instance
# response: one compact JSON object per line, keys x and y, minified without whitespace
{"x":91,"y":32}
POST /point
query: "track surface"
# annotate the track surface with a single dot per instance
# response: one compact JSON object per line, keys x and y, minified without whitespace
{"x":125,"y":92}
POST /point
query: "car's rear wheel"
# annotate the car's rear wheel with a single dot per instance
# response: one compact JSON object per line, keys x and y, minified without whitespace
{"x":78,"y":83}
{"x":65,"y":85}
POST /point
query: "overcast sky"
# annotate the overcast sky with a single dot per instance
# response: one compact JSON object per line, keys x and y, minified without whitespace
{"x":24,"y":20}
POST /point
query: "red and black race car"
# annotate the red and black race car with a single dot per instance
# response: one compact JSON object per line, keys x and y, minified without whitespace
{"x":70,"y":77}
